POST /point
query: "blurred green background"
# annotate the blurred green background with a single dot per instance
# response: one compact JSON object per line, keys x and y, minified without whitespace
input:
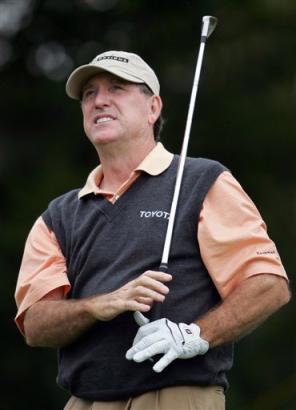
{"x":244,"y":117}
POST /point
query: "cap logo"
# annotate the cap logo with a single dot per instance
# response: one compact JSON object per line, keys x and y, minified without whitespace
{"x":116,"y":58}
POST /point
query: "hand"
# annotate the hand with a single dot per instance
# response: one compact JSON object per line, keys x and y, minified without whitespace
{"x":136,"y":295}
{"x":176,"y":341}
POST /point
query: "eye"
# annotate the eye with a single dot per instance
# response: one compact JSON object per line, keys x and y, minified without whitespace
{"x":88,"y":92}
{"x":117,"y":87}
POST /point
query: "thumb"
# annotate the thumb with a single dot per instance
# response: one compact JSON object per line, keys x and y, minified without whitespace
{"x":140,"y":319}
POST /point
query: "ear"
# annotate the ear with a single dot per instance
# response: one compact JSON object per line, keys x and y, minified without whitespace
{"x":155,"y":109}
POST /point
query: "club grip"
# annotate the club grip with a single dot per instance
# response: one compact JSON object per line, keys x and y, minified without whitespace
{"x":156,"y":309}
{"x":157,"y":306}
{"x":163,"y":267}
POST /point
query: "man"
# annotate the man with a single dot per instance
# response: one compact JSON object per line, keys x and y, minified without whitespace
{"x":92,"y":259}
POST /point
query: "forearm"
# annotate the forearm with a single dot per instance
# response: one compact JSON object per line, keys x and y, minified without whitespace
{"x":242,"y":311}
{"x":56,"y":323}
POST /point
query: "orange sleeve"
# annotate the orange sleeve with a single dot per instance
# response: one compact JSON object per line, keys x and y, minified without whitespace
{"x":233,"y":238}
{"x":43,"y":269}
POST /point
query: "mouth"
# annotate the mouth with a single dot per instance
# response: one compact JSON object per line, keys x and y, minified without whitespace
{"x":102,"y":119}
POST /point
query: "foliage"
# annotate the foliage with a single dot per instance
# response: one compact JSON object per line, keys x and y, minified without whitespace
{"x":244,"y":118}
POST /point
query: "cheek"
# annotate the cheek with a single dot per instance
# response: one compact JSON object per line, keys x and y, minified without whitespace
{"x":84,"y":122}
{"x":87,"y":127}
{"x":86,"y":118}
{"x":143,"y":113}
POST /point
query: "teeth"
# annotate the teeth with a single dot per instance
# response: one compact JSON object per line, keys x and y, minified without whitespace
{"x":104,"y":119}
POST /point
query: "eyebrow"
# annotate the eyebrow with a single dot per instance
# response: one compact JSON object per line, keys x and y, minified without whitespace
{"x":86,"y":86}
{"x":113,"y":79}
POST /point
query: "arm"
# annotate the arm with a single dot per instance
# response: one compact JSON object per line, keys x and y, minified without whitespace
{"x":55,"y":322}
{"x":232,"y":235}
{"x":244,"y":309}
{"x":236,"y":250}
{"x":46,"y":318}
{"x":249,"y":305}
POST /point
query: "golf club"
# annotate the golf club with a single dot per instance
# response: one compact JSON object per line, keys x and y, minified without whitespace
{"x":208,"y":26}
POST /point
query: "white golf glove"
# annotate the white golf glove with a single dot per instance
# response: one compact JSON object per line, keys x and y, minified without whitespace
{"x":176,"y":341}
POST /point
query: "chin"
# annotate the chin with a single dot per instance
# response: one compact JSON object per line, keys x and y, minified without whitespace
{"x":103,"y":140}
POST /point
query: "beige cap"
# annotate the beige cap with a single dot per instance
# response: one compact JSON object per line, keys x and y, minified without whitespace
{"x":125,"y":65}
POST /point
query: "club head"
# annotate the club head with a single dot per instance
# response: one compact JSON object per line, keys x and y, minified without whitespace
{"x":208,"y":26}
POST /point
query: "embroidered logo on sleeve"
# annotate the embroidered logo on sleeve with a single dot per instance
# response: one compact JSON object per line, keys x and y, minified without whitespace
{"x":268,"y":252}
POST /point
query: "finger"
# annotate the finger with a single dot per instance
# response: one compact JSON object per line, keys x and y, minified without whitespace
{"x":159,"y":347}
{"x":168,"y":358}
{"x":161,"y":276}
{"x":140,"y":319}
{"x":144,"y":343}
{"x":146,"y":291}
{"x":155,"y":277}
{"x":151,"y":284}
{"x":148,"y":329}
{"x":134,"y":306}
{"x":145,"y":300}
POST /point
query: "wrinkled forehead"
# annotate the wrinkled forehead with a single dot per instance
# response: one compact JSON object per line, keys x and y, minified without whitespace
{"x":104,"y":77}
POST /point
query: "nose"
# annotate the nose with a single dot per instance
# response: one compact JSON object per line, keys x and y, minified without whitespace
{"x":102,"y":98}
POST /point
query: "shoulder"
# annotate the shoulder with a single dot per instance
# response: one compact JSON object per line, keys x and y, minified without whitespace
{"x":203,"y":162}
{"x":66,"y":199}
{"x":62,"y":207}
{"x":204,"y":166}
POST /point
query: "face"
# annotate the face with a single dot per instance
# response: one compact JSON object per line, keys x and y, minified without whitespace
{"x":116,"y":111}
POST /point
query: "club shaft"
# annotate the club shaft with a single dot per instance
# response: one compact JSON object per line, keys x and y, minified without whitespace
{"x":182,"y":158}
{"x":206,"y":31}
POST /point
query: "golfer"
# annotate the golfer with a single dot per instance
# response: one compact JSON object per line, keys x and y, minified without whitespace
{"x":91,"y":260}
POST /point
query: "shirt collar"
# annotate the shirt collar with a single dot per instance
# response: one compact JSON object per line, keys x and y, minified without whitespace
{"x":156,"y":162}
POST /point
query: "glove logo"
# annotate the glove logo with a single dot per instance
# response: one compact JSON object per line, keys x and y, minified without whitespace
{"x":188,"y":331}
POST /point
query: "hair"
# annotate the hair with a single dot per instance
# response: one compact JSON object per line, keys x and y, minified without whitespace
{"x":158,"y":125}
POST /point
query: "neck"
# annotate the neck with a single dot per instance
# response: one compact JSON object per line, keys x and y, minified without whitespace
{"x":118,"y":162}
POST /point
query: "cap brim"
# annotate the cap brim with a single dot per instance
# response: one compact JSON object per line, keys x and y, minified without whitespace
{"x":83,"y":73}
